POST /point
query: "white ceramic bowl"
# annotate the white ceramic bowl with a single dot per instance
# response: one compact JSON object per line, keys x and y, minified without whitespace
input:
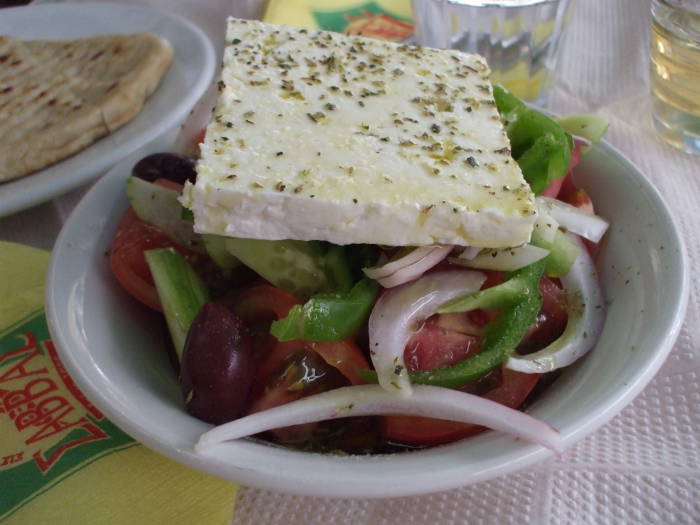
{"x":107,"y":342}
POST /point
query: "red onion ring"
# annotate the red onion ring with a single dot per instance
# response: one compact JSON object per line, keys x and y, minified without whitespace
{"x":586,"y":308}
{"x":409,"y":267}
{"x":397,"y":314}
{"x":372,"y":400}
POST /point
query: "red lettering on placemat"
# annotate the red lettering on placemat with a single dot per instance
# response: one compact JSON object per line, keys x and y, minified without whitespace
{"x":70,"y":385}
{"x":44,"y":404}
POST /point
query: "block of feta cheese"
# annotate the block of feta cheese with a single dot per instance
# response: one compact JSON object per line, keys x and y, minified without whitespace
{"x":318,"y":135}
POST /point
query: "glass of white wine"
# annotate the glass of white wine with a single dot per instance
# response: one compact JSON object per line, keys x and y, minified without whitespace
{"x":675,"y":72}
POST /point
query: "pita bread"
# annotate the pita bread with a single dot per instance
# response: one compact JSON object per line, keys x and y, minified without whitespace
{"x":57,"y":97}
{"x":41,"y":120}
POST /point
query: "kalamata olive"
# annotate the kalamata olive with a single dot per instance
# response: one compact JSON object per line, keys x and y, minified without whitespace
{"x":217,"y":366}
{"x":171,"y":166}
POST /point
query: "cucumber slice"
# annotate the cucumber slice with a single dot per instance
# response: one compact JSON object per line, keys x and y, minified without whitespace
{"x":562,"y":253}
{"x":590,"y":127}
{"x":297,"y":267}
{"x":216,"y":248}
{"x":158,"y":206}
{"x":181,"y":292}
{"x":338,"y":269}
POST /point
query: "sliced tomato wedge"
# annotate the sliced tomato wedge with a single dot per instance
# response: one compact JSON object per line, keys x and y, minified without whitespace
{"x":512,"y":388}
{"x":128,"y":264}
{"x":493,"y":277}
{"x":261,"y":303}
{"x":446,"y":340}
{"x":551,"y":320}
{"x":342,"y":356}
{"x":434,"y":346}
{"x":554,"y":187}
{"x":290,"y":370}
{"x":579,"y":197}
{"x":132,"y":238}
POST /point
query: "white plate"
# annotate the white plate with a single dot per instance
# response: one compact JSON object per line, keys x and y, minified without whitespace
{"x":110,"y":347}
{"x":189,"y":76}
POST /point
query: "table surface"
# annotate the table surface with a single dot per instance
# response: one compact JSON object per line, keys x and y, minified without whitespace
{"x":643,"y":466}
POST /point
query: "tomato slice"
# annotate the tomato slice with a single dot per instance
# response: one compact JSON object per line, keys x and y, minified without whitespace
{"x":290,"y":370}
{"x":346,"y":356}
{"x":434,"y":345}
{"x":263,"y":303}
{"x":554,"y":187}
{"x":128,"y":264}
{"x":442,"y":341}
{"x":551,"y":320}
{"x":579,"y":197}
{"x":281,"y":352}
{"x":132,"y":238}
{"x":447,"y":339}
{"x":511,"y":390}
{"x":260,"y":303}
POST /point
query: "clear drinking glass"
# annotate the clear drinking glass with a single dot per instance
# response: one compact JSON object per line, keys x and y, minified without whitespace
{"x":520,"y":39}
{"x":675,"y":72}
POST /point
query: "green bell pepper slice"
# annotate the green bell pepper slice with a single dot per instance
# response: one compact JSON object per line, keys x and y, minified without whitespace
{"x":501,"y":338}
{"x":328,"y":317}
{"x":539,"y":144}
{"x":508,"y":293}
{"x":519,"y":311}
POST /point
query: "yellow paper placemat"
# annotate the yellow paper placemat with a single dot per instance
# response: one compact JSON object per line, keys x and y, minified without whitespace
{"x":387,"y":19}
{"x":61,"y":460}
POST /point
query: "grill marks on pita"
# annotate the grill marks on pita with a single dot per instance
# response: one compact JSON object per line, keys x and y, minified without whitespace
{"x":58,"y":97}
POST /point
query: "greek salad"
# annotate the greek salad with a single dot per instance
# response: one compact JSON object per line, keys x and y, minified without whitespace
{"x":364,"y":348}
